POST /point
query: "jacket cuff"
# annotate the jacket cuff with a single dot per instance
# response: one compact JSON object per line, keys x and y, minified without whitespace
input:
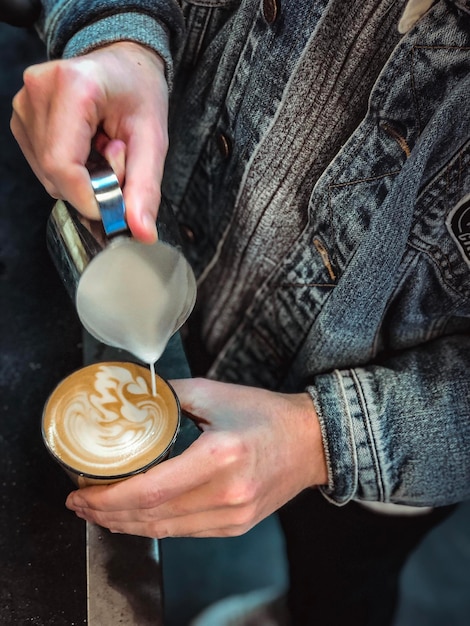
{"x":138,"y":28}
{"x":351,"y":455}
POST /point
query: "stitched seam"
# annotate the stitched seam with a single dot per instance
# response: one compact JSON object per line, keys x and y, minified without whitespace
{"x":367,"y":179}
{"x":351,"y":434}
{"x":464,"y":292}
{"x":301,"y":285}
{"x":346,"y":184}
{"x":373,"y":446}
{"x":413,"y":89}
{"x":418,"y":47}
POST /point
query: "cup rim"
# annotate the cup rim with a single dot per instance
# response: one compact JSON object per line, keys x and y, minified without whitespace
{"x":112,"y":477}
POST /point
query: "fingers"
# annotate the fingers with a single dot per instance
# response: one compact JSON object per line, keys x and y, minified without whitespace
{"x":114,"y":151}
{"x":140,"y":120}
{"x":65,"y":182}
{"x":201,"y":511}
{"x":171,"y":497}
{"x":219,"y":523}
{"x":147,"y":146}
{"x":120,"y":89}
{"x":248,"y":462}
{"x":142,"y":193}
{"x":167,"y":481}
{"x":199,"y":399}
{"x":54,"y":126}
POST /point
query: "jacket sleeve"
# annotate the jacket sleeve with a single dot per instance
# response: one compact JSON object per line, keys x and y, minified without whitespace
{"x":394,"y":404}
{"x":406,"y":436}
{"x":73,"y":27}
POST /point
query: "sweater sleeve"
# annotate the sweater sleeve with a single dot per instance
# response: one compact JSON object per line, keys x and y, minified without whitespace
{"x":73,"y":27}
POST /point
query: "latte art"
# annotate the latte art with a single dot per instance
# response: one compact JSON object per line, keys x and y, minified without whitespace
{"x":115,"y":422}
{"x":103,"y":420}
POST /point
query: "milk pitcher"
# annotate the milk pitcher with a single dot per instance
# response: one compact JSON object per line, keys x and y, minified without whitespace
{"x":128,"y":294}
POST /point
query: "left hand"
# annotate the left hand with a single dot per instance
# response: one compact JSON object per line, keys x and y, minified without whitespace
{"x":258,"y":450}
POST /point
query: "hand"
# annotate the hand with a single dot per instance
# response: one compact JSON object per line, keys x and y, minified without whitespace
{"x":258,"y":450}
{"x":117,"y":93}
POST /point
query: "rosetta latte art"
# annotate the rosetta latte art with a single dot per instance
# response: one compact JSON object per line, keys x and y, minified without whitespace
{"x":109,"y":420}
{"x":118,"y":419}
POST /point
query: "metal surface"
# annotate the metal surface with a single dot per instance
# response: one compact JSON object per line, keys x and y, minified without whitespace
{"x":71,"y":244}
{"x":124,"y":582}
{"x":108,"y":195}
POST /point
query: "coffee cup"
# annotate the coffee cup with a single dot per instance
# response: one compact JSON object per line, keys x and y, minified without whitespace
{"x":103,"y":424}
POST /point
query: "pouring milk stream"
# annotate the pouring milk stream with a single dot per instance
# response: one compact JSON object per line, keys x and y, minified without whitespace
{"x":128,"y":294}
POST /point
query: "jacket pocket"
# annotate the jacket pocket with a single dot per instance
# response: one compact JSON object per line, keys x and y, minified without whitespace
{"x":432,"y":297}
{"x":438,"y":232}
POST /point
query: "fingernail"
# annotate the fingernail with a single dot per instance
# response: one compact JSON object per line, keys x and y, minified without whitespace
{"x":148,"y":221}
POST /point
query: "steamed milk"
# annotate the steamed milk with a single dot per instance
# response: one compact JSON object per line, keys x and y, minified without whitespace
{"x":135,"y":296}
{"x":103,"y":419}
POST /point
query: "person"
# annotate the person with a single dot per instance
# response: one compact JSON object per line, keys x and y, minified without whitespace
{"x":316,"y":155}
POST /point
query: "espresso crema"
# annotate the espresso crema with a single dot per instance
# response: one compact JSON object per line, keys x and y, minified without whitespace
{"x":103,"y":420}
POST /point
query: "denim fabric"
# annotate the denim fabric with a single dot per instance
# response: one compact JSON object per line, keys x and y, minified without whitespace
{"x":316,"y":160}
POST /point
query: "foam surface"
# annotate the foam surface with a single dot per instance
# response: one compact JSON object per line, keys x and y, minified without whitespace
{"x":103,"y":419}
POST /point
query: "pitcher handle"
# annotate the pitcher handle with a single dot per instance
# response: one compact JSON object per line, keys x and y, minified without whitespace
{"x":108,"y":195}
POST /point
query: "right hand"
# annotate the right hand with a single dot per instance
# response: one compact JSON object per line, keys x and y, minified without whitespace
{"x":116,"y":95}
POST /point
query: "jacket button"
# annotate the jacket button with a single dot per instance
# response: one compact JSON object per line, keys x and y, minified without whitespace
{"x":270,"y":10}
{"x":187,"y":233}
{"x":224,"y":144}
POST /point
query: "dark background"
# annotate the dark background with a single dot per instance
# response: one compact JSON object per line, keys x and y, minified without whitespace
{"x":41,"y":543}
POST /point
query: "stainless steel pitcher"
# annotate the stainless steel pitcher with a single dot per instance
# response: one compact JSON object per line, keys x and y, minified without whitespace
{"x":128,"y":294}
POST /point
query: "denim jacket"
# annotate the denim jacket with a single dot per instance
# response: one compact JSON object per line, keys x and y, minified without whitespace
{"x":319,"y":167}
